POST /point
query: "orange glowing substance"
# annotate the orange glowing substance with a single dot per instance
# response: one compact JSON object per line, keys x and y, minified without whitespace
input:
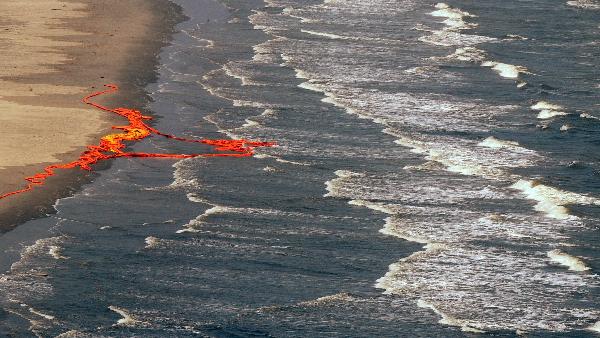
{"x":112,"y":146}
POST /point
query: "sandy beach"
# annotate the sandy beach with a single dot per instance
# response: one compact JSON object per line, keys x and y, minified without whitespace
{"x":54,"y":53}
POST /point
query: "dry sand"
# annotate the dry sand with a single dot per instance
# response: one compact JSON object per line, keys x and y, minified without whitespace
{"x":54,"y":52}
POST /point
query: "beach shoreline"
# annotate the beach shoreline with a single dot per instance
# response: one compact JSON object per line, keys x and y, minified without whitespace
{"x":58,"y":52}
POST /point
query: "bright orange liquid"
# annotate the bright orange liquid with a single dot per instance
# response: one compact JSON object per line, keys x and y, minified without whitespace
{"x":113,"y":146}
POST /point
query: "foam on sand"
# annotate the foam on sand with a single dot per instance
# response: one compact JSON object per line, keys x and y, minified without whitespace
{"x":547,"y":110}
{"x":505,"y":70}
{"x":563,"y":258}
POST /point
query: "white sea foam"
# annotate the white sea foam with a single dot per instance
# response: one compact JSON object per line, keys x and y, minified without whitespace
{"x":433,"y":206}
{"x":292,"y":13}
{"x":336,"y":298}
{"x":454,"y":282}
{"x":41,"y":314}
{"x":331,"y":100}
{"x":281,"y":160}
{"x":588,"y":116}
{"x":516,"y":37}
{"x":447,"y":319}
{"x":492,"y":142}
{"x":455,"y":22}
{"x":420,"y":70}
{"x":454,"y":16}
{"x":585,"y":4}
{"x":373,"y":206}
{"x":547,"y":114}
{"x":505,"y":70}
{"x":323,"y":34}
{"x":192,"y":226}
{"x":541,"y":105}
{"x":453,"y":161}
{"x":182,"y":179}
{"x":152,"y":242}
{"x":331,"y":185}
{"x":595,"y":327}
{"x":250,"y":123}
{"x":206,"y":43}
{"x":55,"y":252}
{"x":548,"y":110}
{"x":263,"y":53}
{"x":391,"y":228}
{"x":127,"y":320}
{"x":75,"y":334}
{"x":247,"y":103}
{"x":566,"y":127}
{"x":49,"y":246}
{"x":450,"y":38}
{"x":310,"y":86}
{"x":552,"y":201}
{"x":470,"y":54}
{"x":229,"y":70}
{"x":563,"y":258}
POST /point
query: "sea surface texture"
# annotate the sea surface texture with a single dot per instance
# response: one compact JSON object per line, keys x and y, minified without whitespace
{"x":437,"y":175}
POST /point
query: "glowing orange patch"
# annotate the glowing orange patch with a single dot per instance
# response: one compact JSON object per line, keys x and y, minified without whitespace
{"x":112,"y":146}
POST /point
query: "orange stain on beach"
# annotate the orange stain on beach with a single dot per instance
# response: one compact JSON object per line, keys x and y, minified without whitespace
{"x":113,"y":145}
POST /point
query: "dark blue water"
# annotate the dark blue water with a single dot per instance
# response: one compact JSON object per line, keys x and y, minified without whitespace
{"x":436,"y":174}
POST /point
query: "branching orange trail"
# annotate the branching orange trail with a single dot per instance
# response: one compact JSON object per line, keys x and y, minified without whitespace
{"x":112,"y":146}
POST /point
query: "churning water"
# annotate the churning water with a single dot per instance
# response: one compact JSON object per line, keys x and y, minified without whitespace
{"x":436,"y":174}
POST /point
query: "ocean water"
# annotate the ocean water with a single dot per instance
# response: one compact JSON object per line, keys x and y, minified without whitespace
{"x":437,"y":175}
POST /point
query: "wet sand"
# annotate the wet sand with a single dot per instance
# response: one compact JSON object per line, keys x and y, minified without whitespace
{"x":54,"y":53}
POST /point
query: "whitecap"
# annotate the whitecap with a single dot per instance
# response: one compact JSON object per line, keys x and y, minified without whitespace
{"x":127,"y":319}
{"x":332,"y":185}
{"x":55,"y":252}
{"x":151,"y":242}
{"x":566,"y":127}
{"x":505,"y":70}
{"x":492,"y":142}
{"x":563,"y":258}
{"x":470,"y":54}
{"x":547,"y":110}
{"x":552,"y":201}
{"x":447,"y":319}
{"x":323,"y":34}
{"x":595,"y":327}
{"x":454,"y":16}
{"x":585,"y":4}
{"x":588,"y":116}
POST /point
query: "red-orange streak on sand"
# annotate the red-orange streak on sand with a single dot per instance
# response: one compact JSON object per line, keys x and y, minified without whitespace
{"x":112,"y":146}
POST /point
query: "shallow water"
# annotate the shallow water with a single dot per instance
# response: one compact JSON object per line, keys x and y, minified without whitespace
{"x":436,"y":174}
